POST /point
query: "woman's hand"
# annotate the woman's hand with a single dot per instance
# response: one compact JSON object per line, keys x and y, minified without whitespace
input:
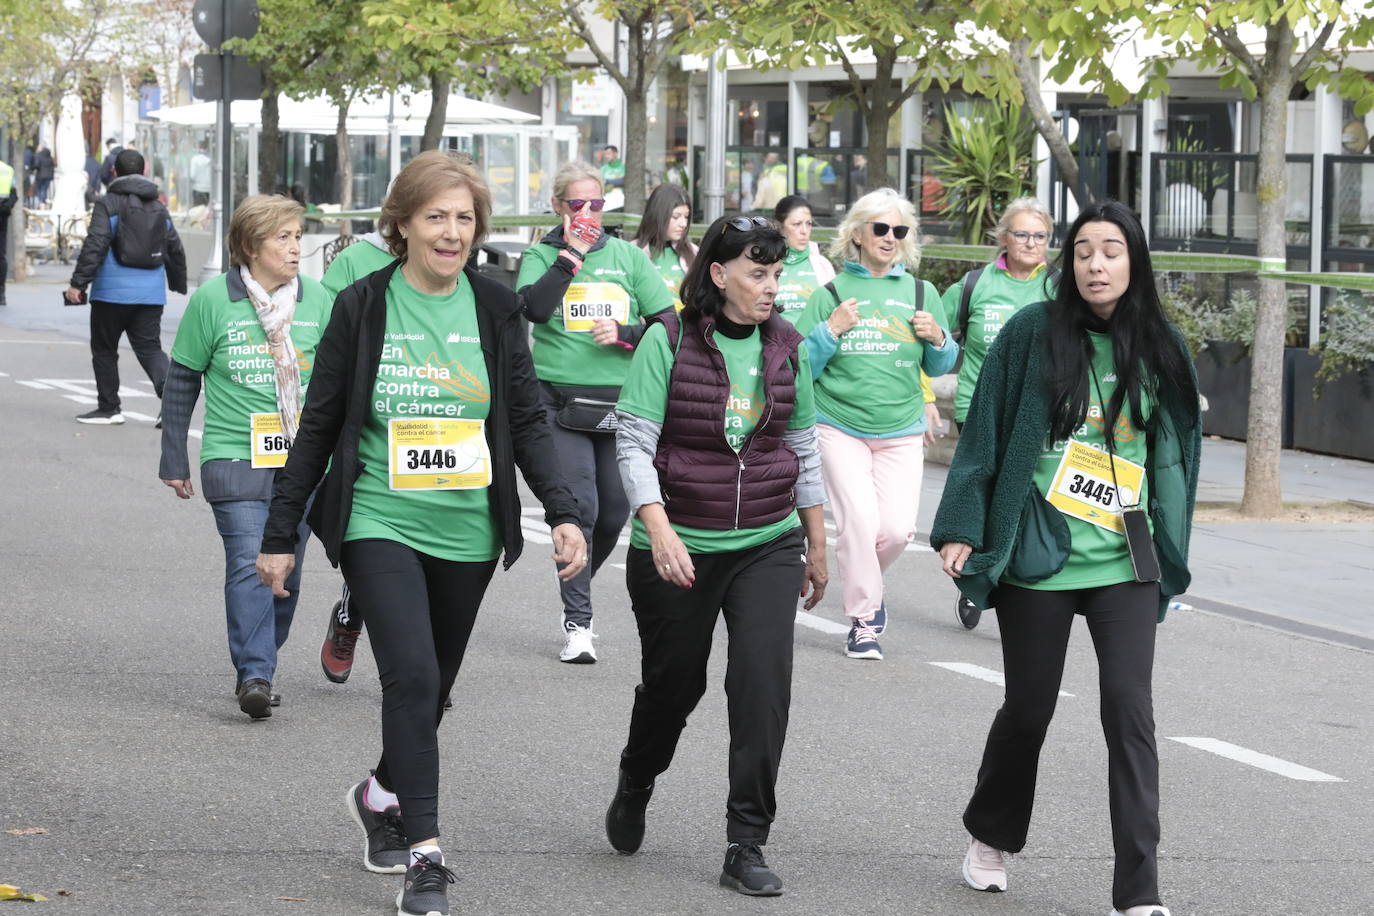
{"x":570,"y":547}
{"x":927,"y":328}
{"x":933,"y":425}
{"x":845,"y":316}
{"x":273,"y":570}
{"x":183,"y":487}
{"x":581,"y":230}
{"x":671,"y":559}
{"x":953,"y":555}
{"x":606,"y":331}
{"x":816,"y":575}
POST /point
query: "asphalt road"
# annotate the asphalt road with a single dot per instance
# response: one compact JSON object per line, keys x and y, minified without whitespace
{"x":119,"y":739}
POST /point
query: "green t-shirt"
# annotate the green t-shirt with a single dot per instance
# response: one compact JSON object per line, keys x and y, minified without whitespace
{"x":223,"y":339}
{"x":1097,"y":556}
{"x":997,"y":296}
{"x":357,"y":260}
{"x":431,"y":371}
{"x":872,"y":382}
{"x":669,"y":267}
{"x":617,"y":278}
{"x":645,"y":394}
{"x":796,"y":285}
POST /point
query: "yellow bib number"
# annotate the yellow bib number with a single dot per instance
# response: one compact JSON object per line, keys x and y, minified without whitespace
{"x":438,"y":454}
{"x":1083,"y":486}
{"x":269,"y":440}
{"x":585,"y":303}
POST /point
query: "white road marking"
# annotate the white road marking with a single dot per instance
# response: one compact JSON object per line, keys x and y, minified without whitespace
{"x":981,"y":673}
{"x":536,"y":531}
{"x":32,"y":384}
{"x":4,"y":375}
{"x":1256,"y":759}
{"x":81,"y":398}
{"x":135,"y":415}
{"x":820,"y":623}
{"x":87,"y":387}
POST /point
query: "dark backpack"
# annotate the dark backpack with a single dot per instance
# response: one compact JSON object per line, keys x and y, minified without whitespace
{"x":960,"y":329}
{"x":140,"y":237}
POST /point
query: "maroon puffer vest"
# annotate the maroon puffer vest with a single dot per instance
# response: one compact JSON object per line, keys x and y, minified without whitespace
{"x":705,"y":484}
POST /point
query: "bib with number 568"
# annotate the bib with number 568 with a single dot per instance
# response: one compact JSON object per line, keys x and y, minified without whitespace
{"x":269,"y":443}
{"x":438,"y":453}
{"x":1085,"y":488}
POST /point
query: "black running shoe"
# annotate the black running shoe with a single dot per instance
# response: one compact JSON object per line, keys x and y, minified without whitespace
{"x":425,"y":892}
{"x":625,"y":816}
{"x":255,"y":698}
{"x":746,"y":872}
{"x":968,"y":613}
{"x":336,"y":654}
{"x":385,"y":847}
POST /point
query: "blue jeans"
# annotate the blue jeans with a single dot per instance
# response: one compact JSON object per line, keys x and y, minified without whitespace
{"x":258,"y":620}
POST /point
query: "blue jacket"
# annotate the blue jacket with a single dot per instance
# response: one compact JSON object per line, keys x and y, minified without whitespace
{"x":111,"y":281}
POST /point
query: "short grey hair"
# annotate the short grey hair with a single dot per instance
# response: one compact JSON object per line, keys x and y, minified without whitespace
{"x":1031,"y":205}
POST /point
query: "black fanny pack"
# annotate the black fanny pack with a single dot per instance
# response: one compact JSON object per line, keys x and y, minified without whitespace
{"x":585,"y":409}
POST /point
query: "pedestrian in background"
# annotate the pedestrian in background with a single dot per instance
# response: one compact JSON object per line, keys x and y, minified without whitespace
{"x":717,"y":447}
{"x":804,"y":268}
{"x":588,"y":295}
{"x":423,"y":402}
{"x":662,"y":235}
{"x":981,"y":302}
{"x":1071,"y":492}
{"x":249,"y":336}
{"x":131,"y":255}
{"x":9,"y":196}
{"x":107,"y":165}
{"x":44,"y":169}
{"x":870,"y":334}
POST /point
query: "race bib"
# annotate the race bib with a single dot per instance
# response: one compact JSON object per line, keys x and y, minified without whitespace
{"x":1084,"y":489}
{"x":269,"y":442}
{"x":438,"y":454}
{"x":585,"y":303}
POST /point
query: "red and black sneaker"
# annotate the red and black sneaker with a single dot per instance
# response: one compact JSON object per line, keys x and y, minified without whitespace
{"x":336,"y":655}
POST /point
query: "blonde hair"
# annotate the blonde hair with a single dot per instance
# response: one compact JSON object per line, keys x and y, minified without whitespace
{"x":1031,"y":205}
{"x":577,"y":170}
{"x":254,"y":220}
{"x":866,"y":210}
{"x":423,"y":177}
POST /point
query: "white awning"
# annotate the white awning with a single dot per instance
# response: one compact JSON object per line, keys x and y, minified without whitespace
{"x":365,"y":116}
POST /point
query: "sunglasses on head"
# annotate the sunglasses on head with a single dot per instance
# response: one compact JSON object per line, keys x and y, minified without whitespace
{"x":880,"y":230}
{"x":745,"y":223}
{"x":576,"y":204}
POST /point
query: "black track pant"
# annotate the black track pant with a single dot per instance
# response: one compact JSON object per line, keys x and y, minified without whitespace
{"x":757,"y":590}
{"x":143,"y":325}
{"x":420,"y":612}
{"x":1035,"y":629}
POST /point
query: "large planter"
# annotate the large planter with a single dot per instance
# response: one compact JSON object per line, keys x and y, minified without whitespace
{"x":1223,"y":376}
{"x":1341,"y":421}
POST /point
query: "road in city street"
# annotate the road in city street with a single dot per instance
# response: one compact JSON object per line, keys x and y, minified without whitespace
{"x":130,"y":783}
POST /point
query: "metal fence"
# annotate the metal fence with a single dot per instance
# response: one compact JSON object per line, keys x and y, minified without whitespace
{"x":1209,"y":202}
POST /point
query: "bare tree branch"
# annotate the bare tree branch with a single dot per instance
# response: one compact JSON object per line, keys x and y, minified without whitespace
{"x":1230,"y":40}
{"x":1318,"y":44}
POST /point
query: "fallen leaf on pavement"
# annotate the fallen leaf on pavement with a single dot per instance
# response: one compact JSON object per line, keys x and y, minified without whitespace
{"x":27,"y":831}
{"x":10,"y":892}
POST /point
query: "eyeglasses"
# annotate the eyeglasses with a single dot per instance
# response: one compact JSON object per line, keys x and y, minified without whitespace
{"x":1025,"y":238}
{"x":745,"y":223}
{"x":880,"y":230}
{"x":575,"y":204}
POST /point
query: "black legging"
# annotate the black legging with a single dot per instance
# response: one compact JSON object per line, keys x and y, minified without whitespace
{"x":420,"y":612}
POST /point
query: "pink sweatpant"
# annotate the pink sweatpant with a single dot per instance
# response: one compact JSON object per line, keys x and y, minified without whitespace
{"x":874,"y":487}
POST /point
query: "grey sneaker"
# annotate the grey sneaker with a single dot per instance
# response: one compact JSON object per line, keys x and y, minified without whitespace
{"x":101,"y":417}
{"x":1148,"y":909}
{"x":386,"y":851}
{"x":746,"y":872}
{"x":425,"y":892}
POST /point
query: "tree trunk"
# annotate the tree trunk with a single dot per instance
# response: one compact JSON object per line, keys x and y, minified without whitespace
{"x":18,"y":226}
{"x":1027,"y":74}
{"x":439,"y":86}
{"x":1264,"y":425}
{"x":269,"y":141}
{"x":636,"y":120}
{"x":345,"y":164}
{"x":877,"y":117}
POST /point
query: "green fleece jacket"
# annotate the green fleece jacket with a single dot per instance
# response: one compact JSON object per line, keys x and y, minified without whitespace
{"x":990,"y":502}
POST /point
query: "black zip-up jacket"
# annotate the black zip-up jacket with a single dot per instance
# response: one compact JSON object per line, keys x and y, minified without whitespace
{"x":339,"y":401}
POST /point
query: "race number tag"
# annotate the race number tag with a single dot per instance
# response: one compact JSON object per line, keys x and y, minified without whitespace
{"x":585,"y":303}
{"x":1083,"y":486}
{"x":438,"y":454}
{"x":269,"y":444}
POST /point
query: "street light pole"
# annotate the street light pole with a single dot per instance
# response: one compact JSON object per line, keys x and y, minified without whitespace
{"x":716,"y":126}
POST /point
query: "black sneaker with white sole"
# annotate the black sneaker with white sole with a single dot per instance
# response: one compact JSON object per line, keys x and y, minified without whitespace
{"x":425,"y":892}
{"x":99,"y":417}
{"x":968,"y":613}
{"x":746,"y":872}
{"x":386,"y":850}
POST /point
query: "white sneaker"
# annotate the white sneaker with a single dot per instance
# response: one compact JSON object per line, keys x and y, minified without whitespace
{"x":1147,"y":909}
{"x":985,"y":868}
{"x":577,"y":645}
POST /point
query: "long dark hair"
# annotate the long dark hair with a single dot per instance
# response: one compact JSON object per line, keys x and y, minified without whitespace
{"x":1146,"y":352}
{"x":788,"y":204}
{"x":724,"y":241}
{"x":653,"y":229}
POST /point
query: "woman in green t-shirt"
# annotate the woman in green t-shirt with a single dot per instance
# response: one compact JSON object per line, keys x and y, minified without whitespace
{"x":662,"y":235}
{"x":588,"y":295}
{"x":804,"y":268}
{"x":248,"y":336}
{"x":1071,"y":493}
{"x":717,"y":446}
{"x":424,"y":401}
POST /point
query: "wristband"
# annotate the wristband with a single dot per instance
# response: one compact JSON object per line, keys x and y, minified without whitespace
{"x":573,"y":264}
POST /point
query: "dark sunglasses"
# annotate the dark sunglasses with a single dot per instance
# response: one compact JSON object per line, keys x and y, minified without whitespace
{"x":596,"y":202}
{"x":880,"y":230}
{"x":745,"y":223}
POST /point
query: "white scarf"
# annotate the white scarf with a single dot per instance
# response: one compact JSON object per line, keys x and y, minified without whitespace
{"x":275,"y":312}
